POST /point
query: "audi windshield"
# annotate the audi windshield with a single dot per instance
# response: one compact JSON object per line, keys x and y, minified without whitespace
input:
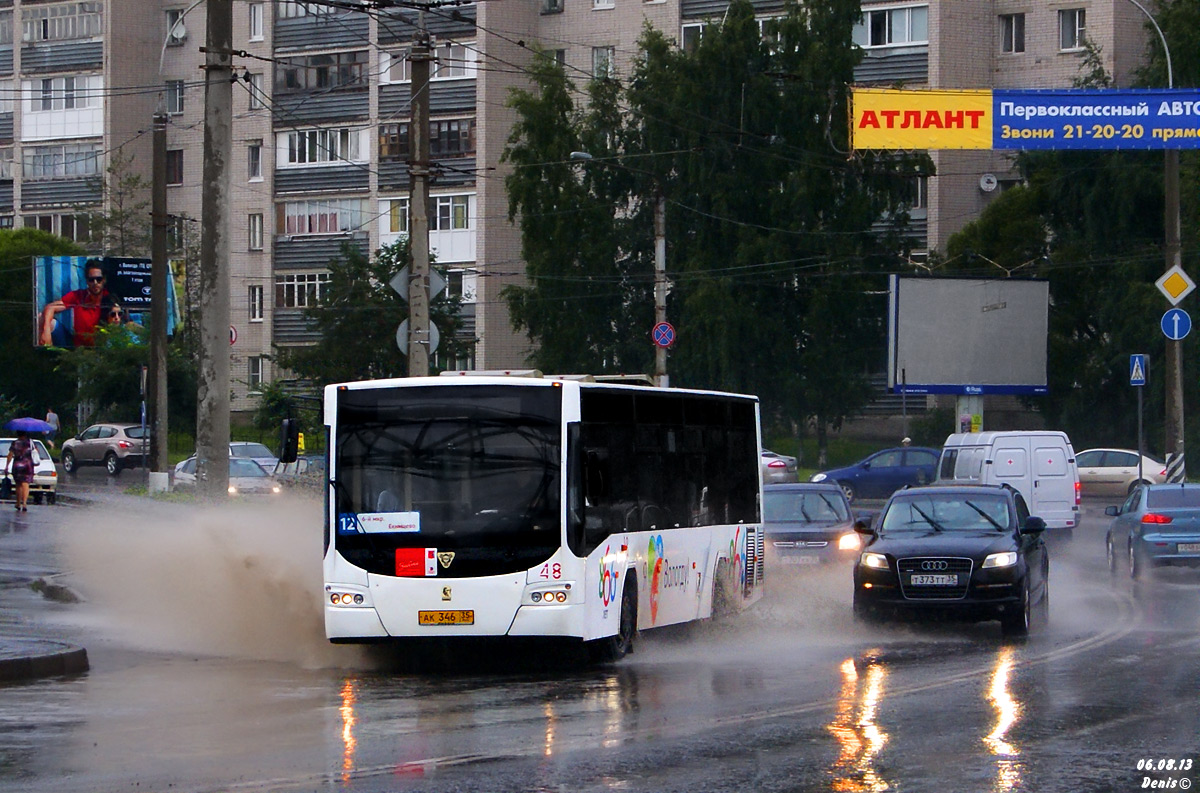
{"x":934,"y":513}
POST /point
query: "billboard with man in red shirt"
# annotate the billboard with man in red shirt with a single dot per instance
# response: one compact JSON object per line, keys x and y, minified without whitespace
{"x":75,"y":294}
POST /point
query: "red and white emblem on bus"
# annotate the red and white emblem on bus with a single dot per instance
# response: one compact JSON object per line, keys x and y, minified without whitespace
{"x":416,"y":561}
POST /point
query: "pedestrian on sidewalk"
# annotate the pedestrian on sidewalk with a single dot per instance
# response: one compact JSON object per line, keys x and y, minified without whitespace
{"x":21,"y":463}
{"x":52,"y":420}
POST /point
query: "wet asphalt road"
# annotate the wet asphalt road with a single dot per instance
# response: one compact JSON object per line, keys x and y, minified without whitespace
{"x":210,"y":673}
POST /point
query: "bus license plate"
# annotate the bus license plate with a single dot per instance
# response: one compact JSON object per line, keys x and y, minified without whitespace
{"x":1189,"y":547}
{"x":446,"y":617}
{"x":934,"y":580}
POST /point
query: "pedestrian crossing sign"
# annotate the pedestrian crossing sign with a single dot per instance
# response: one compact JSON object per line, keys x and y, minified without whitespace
{"x":1137,"y":369}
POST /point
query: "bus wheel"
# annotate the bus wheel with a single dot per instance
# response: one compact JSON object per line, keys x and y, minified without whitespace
{"x":723,"y":591}
{"x":614,"y":648}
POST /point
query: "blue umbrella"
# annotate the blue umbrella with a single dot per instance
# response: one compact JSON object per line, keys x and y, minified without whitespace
{"x":27,"y":424}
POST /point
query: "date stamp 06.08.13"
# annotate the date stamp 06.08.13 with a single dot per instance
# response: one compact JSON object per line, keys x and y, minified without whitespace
{"x":1165,"y":773}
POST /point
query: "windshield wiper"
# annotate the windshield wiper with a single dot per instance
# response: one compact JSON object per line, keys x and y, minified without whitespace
{"x":936,"y":526}
{"x":986,"y":516}
{"x":804,"y":512}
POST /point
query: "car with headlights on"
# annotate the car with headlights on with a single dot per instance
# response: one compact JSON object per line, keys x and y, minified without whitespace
{"x":1157,"y":526}
{"x":246,"y":477}
{"x":964,"y":552}
{"x":884,"y":472}
{"x":807,"y":524}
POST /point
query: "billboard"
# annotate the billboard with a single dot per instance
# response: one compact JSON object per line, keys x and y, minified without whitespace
{"x":1054,"y":119}
{"x":72,"y":295}
{"x":967,"y":335}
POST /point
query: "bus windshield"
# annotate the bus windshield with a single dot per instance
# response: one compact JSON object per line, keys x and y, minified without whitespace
{"x":477,"y":468}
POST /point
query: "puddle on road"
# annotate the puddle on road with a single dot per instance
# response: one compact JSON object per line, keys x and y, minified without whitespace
{"x":239,"y":580}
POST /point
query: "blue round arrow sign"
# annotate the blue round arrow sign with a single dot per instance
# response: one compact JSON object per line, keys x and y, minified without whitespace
{"x":1176,"y":324}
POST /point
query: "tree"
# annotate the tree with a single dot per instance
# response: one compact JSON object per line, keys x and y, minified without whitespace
{"x":357,"y":319}
{"x":123,"y":227}
{"x":30,"y":377}
{"x":773,"y":233}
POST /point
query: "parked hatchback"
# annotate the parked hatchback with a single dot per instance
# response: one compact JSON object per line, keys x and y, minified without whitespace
{"x":884,"y":472}
{"x":1114,"y":472}
{"x":115,"y":446}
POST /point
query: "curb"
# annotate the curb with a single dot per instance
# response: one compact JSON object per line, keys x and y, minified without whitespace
{"x":27,"y":659}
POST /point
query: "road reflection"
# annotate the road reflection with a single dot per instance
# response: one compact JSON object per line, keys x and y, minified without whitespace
{"x":859,"y":736}
{"x":349,"y":694}
{"x":1008,"y":711}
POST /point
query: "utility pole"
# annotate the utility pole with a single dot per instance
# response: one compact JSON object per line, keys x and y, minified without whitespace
{"x":212,"y":415}
{"x":1176,"y":461}
{"x":418,"y":205}
{"x":158,"y":298}
{"x":660,"y":283}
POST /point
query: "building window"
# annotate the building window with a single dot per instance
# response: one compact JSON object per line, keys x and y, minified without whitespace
{"x":449,"y":213}
{"x":690,"y":36}
{"x":174,"y":96}
{"x":601,"y":4}
{"x":254,"y":161}
{"x":602,"y":62}
{"x":462,"y":284}
{"x":61,"y":161}
{"x":888,"y":27}
{"x":1012,"y":33}
{"x":6,"y":160}
{"x":453,"y":62}
{"x":6,"y":221}
{"x":64,"y":93}
{"x":62,"y":21}
{"x":394,"y":67}
{"x":331,"y":216}
{"x":6,"y":37}
{"x":256,"y":22}
{"x":176,"y":32}
{"x":74,"y":227}
{"x":1071,"y":28}
{"x":321,"y":72}
{"x":286,"y":9}
{"x":254,"y":373}
{"x":447,"y":138}
{"x":300,"y":290}
{"x":254,"y":87}
{"x":256,"y":303}
{"x":394,"y":216}
{"x":318,"y":146}
{"x":255,"y":235}
{"x":560,"y":57}
{"x":919,"y":192}
{"x":6,"y":96}
{"x":175,"y":166}
{"x":552,"y":6}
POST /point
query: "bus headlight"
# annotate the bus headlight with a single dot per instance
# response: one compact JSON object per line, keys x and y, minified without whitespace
{"x":343,"y":598}
{"x":554,"y":596}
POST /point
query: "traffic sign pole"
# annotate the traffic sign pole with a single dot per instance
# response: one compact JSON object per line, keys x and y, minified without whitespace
{"x":1138,"y":373}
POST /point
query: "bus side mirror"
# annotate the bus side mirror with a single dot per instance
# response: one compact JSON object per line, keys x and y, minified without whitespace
{"x":289,"y":441}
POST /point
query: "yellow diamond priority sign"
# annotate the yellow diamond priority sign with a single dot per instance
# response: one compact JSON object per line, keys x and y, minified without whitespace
{"x":1175,"y":284}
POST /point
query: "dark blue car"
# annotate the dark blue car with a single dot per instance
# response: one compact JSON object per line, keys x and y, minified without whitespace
{"x":885,"y":472}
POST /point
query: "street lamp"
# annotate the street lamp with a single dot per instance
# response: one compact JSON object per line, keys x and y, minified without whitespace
{"x":1174,"y":385}
{"x":660,"y":264}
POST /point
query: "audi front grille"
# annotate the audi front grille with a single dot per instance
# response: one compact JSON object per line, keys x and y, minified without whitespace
{"x":935,"y":565}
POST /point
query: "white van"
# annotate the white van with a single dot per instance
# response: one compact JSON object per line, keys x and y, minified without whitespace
{"x":1040,"y":465}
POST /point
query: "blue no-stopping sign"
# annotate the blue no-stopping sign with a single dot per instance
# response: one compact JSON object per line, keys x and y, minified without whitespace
{"x":663,"y":334}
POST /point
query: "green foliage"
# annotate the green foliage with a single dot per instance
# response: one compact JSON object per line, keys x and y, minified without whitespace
{"x":770,"y":245}
{"x":124,"y":227}
{"x":357,"y":319}
{"x":29,"y":375}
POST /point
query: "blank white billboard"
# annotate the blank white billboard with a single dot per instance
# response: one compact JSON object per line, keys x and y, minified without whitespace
{"x":967,"y":335}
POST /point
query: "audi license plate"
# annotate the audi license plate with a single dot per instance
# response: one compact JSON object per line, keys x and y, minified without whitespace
{"x":934,"y":580}
{"x":446,"y":617}
{"x":1189,"y":547}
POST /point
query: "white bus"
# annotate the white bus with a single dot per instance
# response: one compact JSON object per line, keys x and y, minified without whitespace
{"x":491,"y":505}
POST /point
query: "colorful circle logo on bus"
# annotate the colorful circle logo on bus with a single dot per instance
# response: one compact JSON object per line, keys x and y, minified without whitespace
{"x":655,"y":560}
{"x":609,"y":575}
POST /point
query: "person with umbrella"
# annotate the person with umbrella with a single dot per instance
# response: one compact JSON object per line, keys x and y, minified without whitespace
{"x":21,"y":462}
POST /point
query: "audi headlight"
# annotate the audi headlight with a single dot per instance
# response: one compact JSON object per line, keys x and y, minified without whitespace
{"x":875,"y":560}
{"x":849,"y":542}
{"x":1002,"y":559}
{"x":818,"y":478}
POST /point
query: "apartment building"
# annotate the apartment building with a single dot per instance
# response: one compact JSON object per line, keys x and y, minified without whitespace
{"x":321,"y":124}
